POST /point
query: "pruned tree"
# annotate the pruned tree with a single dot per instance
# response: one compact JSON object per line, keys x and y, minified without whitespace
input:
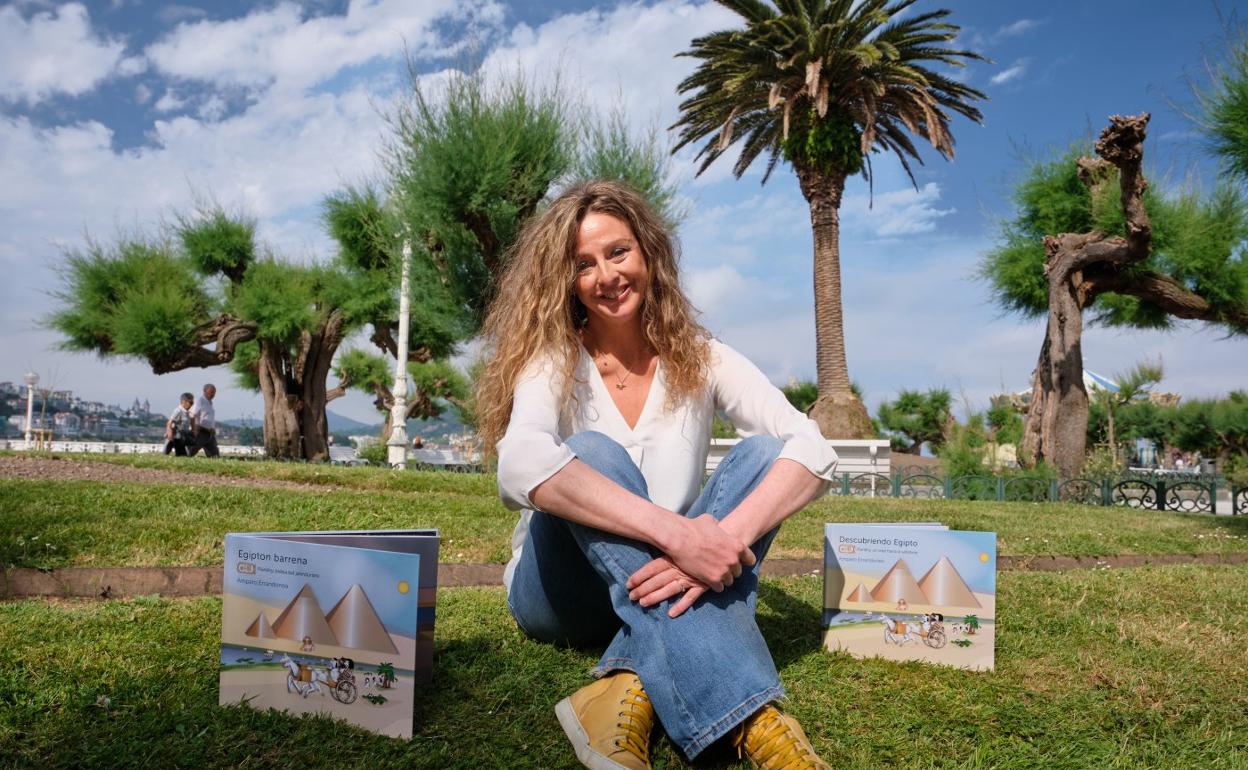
{"x":1214,"y":427}
{"x":609,"y":149}
{"x":468,"y":164}
{"x":203,"y":294}
{"x":825,"y":85}
{"x":438,"y":385}
{"x":465,"y":166}
{"x":1224,"y":108}
{"x":1005,"y":424}
{"x":1139,"y":419}
{"x":1090,"y":235}
{"x":915,"y":419}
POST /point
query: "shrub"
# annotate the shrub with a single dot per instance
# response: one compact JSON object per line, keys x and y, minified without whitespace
{"x":376,"y":453}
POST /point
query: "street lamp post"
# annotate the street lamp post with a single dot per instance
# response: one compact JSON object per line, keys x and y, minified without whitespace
{"x":31,"y":380}
{"x":397,"y":452}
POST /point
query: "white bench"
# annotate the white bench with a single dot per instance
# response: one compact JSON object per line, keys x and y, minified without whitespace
{"x":856,"y":455}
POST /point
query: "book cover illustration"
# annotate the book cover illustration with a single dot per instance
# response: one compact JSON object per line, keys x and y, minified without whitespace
{"x":332,"y":623}
{"x":911,"y":593}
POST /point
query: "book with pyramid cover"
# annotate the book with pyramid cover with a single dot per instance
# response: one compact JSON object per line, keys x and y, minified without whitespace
{"x":335,"y":623}
{"x":911,"y":592}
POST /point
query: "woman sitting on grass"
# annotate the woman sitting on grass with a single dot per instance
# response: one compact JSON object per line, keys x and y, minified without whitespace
{"x":598,"y":397}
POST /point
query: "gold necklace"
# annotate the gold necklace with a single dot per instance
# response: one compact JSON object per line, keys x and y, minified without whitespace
{"x":619,"y":381}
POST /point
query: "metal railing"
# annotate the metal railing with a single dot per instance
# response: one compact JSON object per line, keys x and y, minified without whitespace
{"x":1193,"y":493}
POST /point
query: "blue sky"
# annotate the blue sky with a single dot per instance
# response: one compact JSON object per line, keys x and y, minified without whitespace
{"x":114,"y":114}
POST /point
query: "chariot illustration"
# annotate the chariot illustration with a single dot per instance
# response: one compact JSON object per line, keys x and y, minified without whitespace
{"x":931,"y":630}
{"x":338,"y":678}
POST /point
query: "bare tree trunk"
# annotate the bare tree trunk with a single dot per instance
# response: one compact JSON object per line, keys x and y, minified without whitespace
{"x":312,"y":367}
{"x":295,"y":393}
{"x":1057,"y":420}
{"x":1079,"y":267}
{"x":839,"y":413}
{"x":281,"y":416}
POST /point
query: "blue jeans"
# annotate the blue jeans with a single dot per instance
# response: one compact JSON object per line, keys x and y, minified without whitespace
{"x":706,"y":670}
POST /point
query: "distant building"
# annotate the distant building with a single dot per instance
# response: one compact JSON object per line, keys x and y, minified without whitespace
{"x":67,"y":424}
{"x":9,"y":389}
{"x":37,"y":422}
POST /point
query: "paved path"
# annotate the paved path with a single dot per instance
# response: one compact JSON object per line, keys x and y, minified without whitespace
{"x":123,"y":582}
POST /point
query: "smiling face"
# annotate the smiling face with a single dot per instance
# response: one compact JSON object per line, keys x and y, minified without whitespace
{"x":611,"y":274}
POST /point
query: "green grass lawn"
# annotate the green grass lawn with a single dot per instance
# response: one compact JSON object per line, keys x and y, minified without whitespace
{"x":50,"y":524}
{"x":1107,"y":669}
{"x":318,"y":474}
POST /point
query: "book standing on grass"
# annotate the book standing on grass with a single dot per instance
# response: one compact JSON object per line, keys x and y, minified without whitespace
{"x":334,"y":623}
{"x":911,"y":592}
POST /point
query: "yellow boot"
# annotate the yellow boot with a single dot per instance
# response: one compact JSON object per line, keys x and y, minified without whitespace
{"x":609,"y":723}
{"x":775,"y":741}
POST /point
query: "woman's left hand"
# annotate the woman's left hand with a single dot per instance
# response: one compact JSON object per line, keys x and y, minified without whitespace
{"x":661,"y":580}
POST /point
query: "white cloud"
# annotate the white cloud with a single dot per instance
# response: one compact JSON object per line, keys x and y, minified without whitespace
{"x":758,"y":217}
{"x":54,"y":52}
{"x":173,"y":13}
{"x":893,"y":214}
{"x":913,"y":319}
{"x":169,"y":102}
{"x":132,"y":65}
{"x":976,"y":40}
{"x":142,"y":94}
{"x":278,"y":45}
{"x":212,"y":109}
{"x":717,"y":287}
{"x":623,"y":57}
{"x":1013,"y":72}
{"x":276,"y":158}
{"x":1014,"y":29}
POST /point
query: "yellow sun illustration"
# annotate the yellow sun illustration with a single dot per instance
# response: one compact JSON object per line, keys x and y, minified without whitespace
{"x":404,"y":587}
{"x":983,"y":557}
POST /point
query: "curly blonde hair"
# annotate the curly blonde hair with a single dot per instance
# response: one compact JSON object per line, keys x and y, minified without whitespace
{"x":535,"y":310}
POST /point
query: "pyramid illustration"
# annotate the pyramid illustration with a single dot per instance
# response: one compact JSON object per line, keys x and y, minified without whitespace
{"x":859,"y":594}
{"x":303,"y":617}
{"x":260,"y":628}
{"x":356,"y":624}
{"x":898,"y":584}
{"x":944,"y":586}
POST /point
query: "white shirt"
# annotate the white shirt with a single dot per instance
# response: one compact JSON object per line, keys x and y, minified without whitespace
{"x":202,"y":411}
{"x":669,"y":447}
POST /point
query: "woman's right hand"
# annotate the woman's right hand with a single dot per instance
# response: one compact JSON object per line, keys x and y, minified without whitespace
{"x":704,"y":550}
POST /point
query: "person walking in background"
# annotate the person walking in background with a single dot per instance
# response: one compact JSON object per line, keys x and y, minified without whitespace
{"x":204,"y":423}
{"x":178,"y":435}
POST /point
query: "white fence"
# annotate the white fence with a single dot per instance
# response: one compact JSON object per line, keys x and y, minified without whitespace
{"x":119,"y":447}
{"x":864,"y":456}
{"x":856,"y":456}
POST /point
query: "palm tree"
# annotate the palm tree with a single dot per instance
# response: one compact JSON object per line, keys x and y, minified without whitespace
{"x":386,"y":672}
{"x":972,"y":623}
{"x":823,"y":84}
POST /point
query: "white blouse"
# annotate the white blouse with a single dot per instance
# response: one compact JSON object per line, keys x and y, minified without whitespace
{"x":668,"y":446}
